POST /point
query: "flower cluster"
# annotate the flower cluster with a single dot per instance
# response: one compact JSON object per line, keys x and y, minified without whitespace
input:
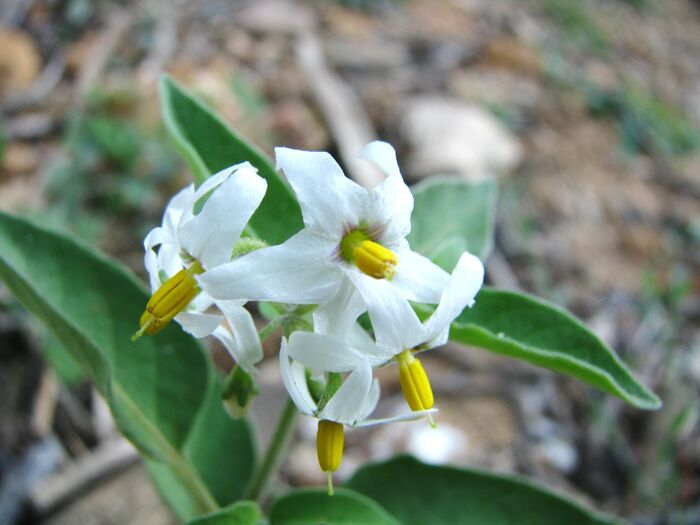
{"x":351,"y":258}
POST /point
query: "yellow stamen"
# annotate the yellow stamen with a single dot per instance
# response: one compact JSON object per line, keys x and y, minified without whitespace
{"x":330,"y":439}
{"x":372,"y":258}
{"x":375,"y":260}
{"x":169,"y":300}
{"x":414,"y":383}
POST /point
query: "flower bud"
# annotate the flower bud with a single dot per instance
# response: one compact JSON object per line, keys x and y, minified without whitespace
{"x":239,"y":391}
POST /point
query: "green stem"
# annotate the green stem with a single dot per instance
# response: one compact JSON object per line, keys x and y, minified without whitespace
{"x":182,"y":468}
{"x":267,"y":330}
{"x":271,"y":460}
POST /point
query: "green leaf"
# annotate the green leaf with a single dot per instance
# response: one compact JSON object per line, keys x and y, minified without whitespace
{"x":528,"y":328}
{"x":240,"y":513}
{"x":451,"y":216}
{"x":210,"y":145}
{"x":66,"y":367}
{"x":162,"y":390}
{"x":314,"y":507}
{"x":419,"y":494}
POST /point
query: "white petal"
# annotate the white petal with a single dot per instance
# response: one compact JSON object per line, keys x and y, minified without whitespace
{"x":394,"y":321}
{"x":464,"y":284}
{"x":199,"y":324}
{"x":201,"y":303}
{"x":177,"y":207}
{"x":338,"y":314}
{"x":370,"y":402}
{"x":299,"y":271}
{"x":209,"y":185}
{"x":407,"y":416}
{"x":155,"y":237}
{"x":330,"y":202}
{"x":419,"y":278}
{"x":210,"y":235}
{"x":323,"y":353}
{"x":347,"y":403}
{"x":391,"y":202}
{"x":294,"y":379}
{"x":244,"y":346}
{"x":362,"y":342}
{"x":383,"y":155}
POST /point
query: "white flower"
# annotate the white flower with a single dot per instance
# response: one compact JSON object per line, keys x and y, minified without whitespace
{"x":200,"y":228}
{"x":352,"y":254}
{"x":345,"y":346}
{"x":351,"y":404}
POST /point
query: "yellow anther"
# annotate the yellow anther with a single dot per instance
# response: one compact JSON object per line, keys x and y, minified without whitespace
{"x":330,"y":439}
{"x":414,"y":382}
{"x":169,"y":300}
{"x":375,"y":260}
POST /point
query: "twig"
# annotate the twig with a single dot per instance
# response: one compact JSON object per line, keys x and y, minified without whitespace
{"x":164,"y":42}
{"x":14,"y":12}
{"x":45,"y":403}
{"x":347,"y":119}
{"x":100,"y":53}
{"x":44,"y":84}
{"x":107,"y":460}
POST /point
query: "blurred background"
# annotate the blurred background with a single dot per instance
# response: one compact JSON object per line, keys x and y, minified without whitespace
{"x":588,"y":113}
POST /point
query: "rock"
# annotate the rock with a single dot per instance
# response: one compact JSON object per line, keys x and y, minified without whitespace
{"x":437,"y":445}
{"x":511,"y":54}
{"x":298,"y":126}
{"x":367,"y":54}
{"x":451,"y":136}
{"x":497,"y":87}
{"x":129,"y":499}
{"x":277,"y":16}
{"x":19,"y":158}
{"x":557,"y":453}
{"x":20,"y":62}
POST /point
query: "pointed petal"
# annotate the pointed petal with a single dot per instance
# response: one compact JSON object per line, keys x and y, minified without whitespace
{"x":406,"y":416}
{"x":243,"y":342}
{"x":323,"y":353}
{"x":419,"y":278}
{"x":338,"y":314}
{"x":383,"y":155}
{"x":178,"y":205}
{"x":462,"y":287}
{"x":199,"y":324}
{"x":157,"y":236}
{"x":210,"y":235}
{"x":294,"y":379}
{"x":391,"y":202}
{"x":299,"y":271}
{"x":330,"y":202}
{"x":370,"y":402}
{"x":201,"y":303}
{"x":347,"y":403}
{"x":362,"y":342}
{"x":394,"y":321}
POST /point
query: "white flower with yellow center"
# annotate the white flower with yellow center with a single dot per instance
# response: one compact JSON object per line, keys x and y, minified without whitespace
{"x":337,"y":350}
{"x":351,"y":404}
{"x":199,"y":231}
{"x":352,"y":253}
